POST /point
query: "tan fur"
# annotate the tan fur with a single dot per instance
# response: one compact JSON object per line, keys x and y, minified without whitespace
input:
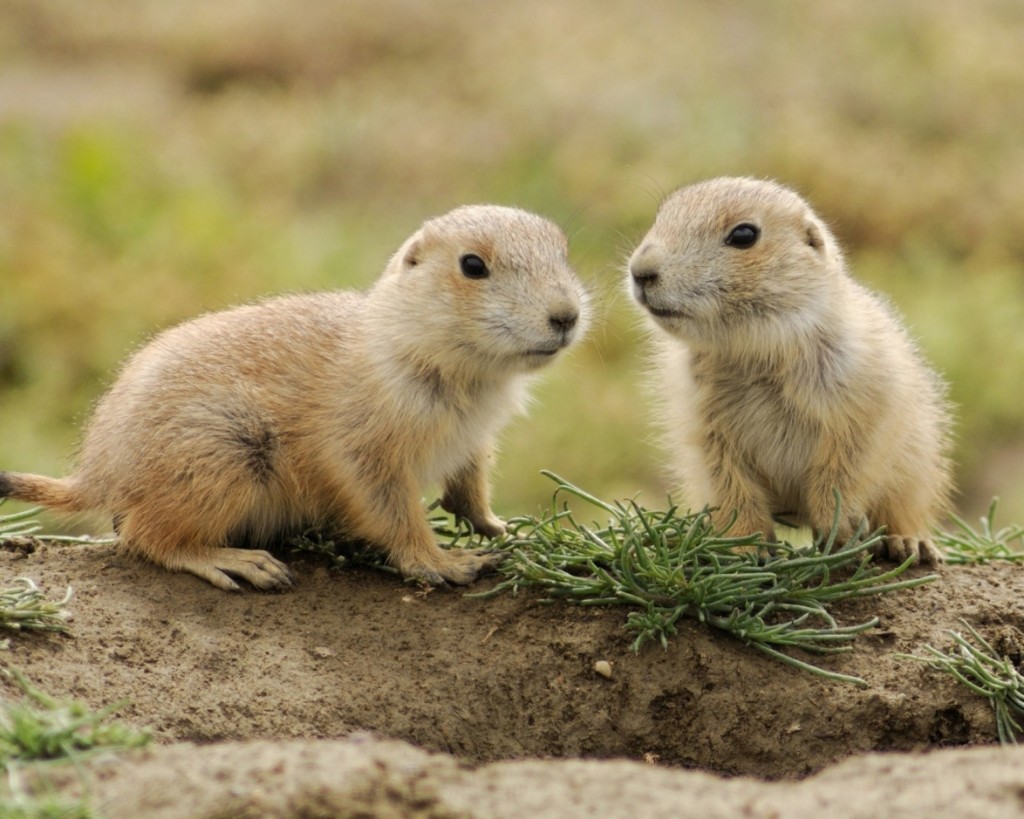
{"x":783,"y":378}
{"x":330,"y":408}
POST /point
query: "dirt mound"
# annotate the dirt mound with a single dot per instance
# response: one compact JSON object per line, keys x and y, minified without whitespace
{"x":362,"y":776}
{"x":491,"y":680}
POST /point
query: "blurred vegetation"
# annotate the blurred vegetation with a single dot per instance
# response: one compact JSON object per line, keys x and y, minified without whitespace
{"x":162,"y":159}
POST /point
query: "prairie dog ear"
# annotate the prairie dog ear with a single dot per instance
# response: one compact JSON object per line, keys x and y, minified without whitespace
{"x":411,"y":253}
{"x":815,"y":236}
{"x":407,"y":257}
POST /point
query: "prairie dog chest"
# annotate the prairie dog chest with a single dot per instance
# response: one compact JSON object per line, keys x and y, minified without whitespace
{"x":456,"y":431}
{"x":752,"y":412}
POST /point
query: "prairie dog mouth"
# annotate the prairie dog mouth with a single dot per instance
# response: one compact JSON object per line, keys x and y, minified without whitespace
{"x":661,"y":312}
{"x":543,"y":351}
{"x":552,"y":348}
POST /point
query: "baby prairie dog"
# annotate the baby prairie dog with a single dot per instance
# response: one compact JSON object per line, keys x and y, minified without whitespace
{"x":331,"y":408}
{"x":785,"y":380}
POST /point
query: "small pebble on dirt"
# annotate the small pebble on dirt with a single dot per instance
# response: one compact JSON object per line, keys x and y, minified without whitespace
{"x":604,"y":668}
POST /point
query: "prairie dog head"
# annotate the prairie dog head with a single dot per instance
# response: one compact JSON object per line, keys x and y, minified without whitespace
{"x":734,"y":256}
{"x":485,"y":285}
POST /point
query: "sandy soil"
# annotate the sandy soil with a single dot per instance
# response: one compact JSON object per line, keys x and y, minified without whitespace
{"x":353,"y":692}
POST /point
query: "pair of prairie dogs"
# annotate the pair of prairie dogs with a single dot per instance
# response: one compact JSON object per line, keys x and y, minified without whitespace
{"x":782,"y":380}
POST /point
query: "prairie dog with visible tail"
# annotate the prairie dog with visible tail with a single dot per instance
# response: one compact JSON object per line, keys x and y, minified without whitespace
{"x":783,"y":378}
{"x":334,"y":408}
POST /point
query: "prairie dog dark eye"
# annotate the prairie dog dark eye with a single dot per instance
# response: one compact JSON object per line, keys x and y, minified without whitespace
{"x":473,"y":267}
{"x":743,"y":236}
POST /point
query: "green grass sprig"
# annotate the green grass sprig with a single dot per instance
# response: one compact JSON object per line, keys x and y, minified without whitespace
{"x":42,"y":728}
{"x":21,"y":805}
{"x":24,"y":608}
{"x":978,"y":666}
{"x":19,"y":524}
{"x":338,"y":551}
{"x":967,"y":545}
{"x":668,"y":565}
{"x":25,"y":524}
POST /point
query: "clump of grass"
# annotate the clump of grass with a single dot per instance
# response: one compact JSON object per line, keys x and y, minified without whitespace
{"x":42,"y":728}
{"x":25,"y":525}
{"x":978,"y":666}
{"x":49,"y":806}
{"x":668,"y":565}
{"x":967,"y":545}
{"x":24,"y":608}
{"x":19,"y":524}
{"x":338,"y":552}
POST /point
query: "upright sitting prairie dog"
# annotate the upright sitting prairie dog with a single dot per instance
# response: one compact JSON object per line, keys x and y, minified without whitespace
{"x":335,"y":408}
{"x":783,"y":378}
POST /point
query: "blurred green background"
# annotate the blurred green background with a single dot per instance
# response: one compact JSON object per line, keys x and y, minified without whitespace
{"x":162,"y":159}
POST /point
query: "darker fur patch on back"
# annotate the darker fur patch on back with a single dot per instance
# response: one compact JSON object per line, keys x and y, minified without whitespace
{"x":254,"y":440}
{"x":6,"y":486}
{"x":259,"y":447}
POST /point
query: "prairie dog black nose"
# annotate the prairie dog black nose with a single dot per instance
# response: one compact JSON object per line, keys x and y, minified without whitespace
{"x":644,"y":275}
{"x":563,"y":321}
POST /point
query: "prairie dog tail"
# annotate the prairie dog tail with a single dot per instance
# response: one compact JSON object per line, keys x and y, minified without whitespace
{"x":56,"y":493}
